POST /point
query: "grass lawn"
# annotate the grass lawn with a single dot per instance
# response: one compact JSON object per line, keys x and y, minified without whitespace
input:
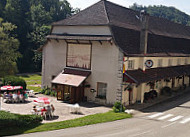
{"x":87,"y":120}
{"x":36,"y":89}
{"x":31,"y":81}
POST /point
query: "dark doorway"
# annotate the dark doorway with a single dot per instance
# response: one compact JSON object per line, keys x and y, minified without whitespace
{"x":70,"y":94}
{"x":173,"y":82}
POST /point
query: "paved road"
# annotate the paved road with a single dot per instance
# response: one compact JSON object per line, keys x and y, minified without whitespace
{"x":169,"y":119}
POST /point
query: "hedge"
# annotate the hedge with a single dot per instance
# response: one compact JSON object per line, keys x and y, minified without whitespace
{"x":118,"y":107}
{"x":11,"y":120}
{"x":14,"y":81}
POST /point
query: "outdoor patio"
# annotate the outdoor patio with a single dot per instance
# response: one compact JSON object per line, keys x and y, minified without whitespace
{"x":63,"y":111}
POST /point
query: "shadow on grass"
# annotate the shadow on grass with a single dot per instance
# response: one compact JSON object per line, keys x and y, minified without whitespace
{"x":25,"y":76}
{"x":7,"y":131}
{"x":53,"y":118}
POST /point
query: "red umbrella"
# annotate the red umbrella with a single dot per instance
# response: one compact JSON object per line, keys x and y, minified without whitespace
{"x":17,"y":87}
{"x":11,"y":87}
{"x":43,"y":100}
{"x":6,"y":88}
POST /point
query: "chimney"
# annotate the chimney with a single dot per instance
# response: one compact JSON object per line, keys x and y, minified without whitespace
{"x":144,"y":18}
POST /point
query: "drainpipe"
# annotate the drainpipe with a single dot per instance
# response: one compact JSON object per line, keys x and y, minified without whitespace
{"x":144,"y":18}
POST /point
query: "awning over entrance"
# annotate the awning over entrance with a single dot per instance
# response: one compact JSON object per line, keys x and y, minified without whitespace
{"x":71,"y":77}
{"x":138,"y":76}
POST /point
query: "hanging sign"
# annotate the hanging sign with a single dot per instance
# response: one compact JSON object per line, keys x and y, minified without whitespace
{"x":149,"y":63}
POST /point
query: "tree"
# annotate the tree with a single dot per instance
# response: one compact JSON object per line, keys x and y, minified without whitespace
{"x":33,"y":19}
{"x":8,"y":49}
{"x":170,"y":13}
{"x":2,"y":7}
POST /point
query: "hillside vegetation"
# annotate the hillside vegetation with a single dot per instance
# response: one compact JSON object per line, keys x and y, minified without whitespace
{"x":170,"y":13}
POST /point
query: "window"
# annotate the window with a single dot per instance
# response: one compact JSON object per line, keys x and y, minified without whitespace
{"x":101,"y":90}
{"x":170,"y":62}
{"x":160,"y":63}
{"x":178,"y":61}
{"x":131,"y":64}
{"x":186,"y":61}
{"x":79,"y":56}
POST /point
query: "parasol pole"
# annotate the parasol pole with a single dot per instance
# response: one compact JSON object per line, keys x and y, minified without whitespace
{"x":0,"y":101}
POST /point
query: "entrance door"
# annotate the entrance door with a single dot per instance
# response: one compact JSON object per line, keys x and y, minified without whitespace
{"x":130,"y":96}
{"x":60,"y":92}
{"x":173,"y":82}
{"x":67,"y":93}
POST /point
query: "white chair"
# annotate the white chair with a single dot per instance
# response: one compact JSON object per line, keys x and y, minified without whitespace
{"x":76,"y":108}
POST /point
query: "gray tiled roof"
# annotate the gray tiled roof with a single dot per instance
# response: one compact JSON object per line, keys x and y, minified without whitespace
{"x":156,"y":73}
{"x":164,"y":36}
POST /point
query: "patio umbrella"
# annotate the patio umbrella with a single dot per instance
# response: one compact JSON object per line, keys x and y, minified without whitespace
{"x":43,"y":100}
{"x":17,"y":87}
{"x":10,"y":87}
{"x":6,"y":88}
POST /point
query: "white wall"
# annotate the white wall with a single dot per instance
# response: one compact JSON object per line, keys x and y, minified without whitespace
{"x":104,"y":62}
{"x":105,"y":70}
{"x":96,"y":30}
{"x":54,"y":58}
{"x":139,"y":62}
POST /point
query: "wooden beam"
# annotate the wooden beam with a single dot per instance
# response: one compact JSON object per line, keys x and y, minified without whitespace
{"x":66,"y":41}
{"x":78,"y":41}
{"x":57,"y":40}
{"x":111,"y":42}
{"x":100,"y":42}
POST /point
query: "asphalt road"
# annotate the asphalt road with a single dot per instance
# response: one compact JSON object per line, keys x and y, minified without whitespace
{"x":168,"y":119}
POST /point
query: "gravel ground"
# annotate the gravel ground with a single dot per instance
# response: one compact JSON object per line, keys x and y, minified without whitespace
{"x":62,"y":110}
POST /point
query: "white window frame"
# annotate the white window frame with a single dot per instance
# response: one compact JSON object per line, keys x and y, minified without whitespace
{"x":186,"y":61}
{"x":131,"y":64}
{"x":102,"y":91}
{"x":178,"y":61}
{"x":170,"y":62}
{"x":160,"y":62}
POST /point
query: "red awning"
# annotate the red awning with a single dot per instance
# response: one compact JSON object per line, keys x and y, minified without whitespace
{"x":71,"y":77}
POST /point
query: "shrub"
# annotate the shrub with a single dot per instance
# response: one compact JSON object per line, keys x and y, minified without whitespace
{"x":14,"y":81}
{"x":55,"y":94}
{"x":52,"y":93}
{"x":43,"y":91}
{"x":47,"y":92}
{"x":11,"y":120}
{"x":118,"y":107}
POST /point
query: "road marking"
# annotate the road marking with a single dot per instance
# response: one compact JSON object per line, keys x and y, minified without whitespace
{"x":141,"y":133}
{"x":168,"y":125}
{"x":185,"y":121}
{"x":175,"y":118}
{"x":166,"y":116}
{"x":156,"y":115}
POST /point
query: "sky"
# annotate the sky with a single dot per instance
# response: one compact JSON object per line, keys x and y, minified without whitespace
{"x":183,"y":5}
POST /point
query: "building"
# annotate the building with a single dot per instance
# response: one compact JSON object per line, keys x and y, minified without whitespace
{"x":108,"y":53}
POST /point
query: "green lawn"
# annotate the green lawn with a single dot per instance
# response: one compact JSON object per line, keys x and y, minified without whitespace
{"x":32,"y":80}
{"x":87,"y":120}
{"x":36,"y":89}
